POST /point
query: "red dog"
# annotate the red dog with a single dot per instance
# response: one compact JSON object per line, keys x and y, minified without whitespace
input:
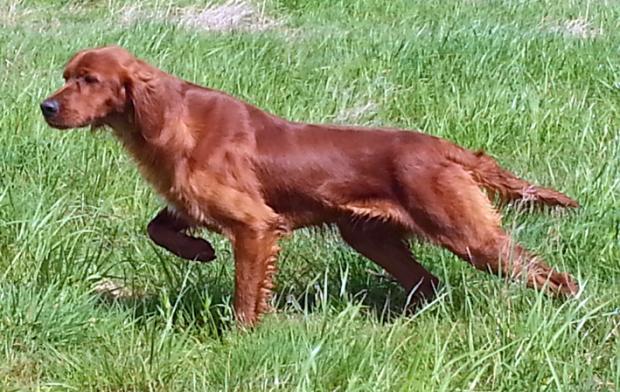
{"x":226,"y":165}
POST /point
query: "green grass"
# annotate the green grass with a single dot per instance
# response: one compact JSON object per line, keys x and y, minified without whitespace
{"x":498,"y":75}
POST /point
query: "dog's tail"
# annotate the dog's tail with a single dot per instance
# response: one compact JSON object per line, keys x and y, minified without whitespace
{"x":501,"y":183}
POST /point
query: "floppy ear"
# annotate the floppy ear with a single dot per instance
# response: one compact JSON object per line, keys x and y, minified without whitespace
{"x":145,"y":94}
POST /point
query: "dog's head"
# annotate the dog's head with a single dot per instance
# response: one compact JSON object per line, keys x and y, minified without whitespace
{"x":96,"y":87}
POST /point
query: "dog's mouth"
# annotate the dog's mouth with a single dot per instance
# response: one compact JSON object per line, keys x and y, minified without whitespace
{"x":56,"y":125}
{"x":65,"y":125}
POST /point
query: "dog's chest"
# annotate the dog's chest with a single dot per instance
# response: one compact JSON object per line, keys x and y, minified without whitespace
{"x":218,"y":199}
{"x":197,"y":194}
{"x":222,"y":194}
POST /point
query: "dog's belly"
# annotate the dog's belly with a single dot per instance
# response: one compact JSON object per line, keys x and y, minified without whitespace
{"x":302,"y":210}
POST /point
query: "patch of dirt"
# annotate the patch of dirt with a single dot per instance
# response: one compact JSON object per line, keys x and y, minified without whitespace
{"x":577,"y":28}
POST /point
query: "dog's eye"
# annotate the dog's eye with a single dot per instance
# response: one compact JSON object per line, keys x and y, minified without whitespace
{"x":90,"y":79}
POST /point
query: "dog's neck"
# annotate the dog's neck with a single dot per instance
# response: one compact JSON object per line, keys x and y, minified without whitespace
{"x":150,"y":116}
{"x":157,"y":147}
{"x":156,"y":164}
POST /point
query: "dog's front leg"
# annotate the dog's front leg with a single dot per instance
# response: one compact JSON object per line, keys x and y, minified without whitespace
{"x":167,"y":230}
{"x":255,"y":265}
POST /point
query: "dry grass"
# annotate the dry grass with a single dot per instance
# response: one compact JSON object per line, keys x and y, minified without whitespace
{"x":235,"y":15}
{"x":231,"y":16}
{"x":12,"y":12}
{"x":113,"y":290}
{"x":576,"y":28}
{"x":357,"y":113}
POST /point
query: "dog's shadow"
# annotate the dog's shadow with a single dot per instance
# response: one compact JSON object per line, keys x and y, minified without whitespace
{"x":188,"y":296}
{"x":201,"y":296}
{"x":376,"y":293}
{"x":309,"y":277}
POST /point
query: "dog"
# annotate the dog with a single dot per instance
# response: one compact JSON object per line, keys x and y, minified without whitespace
{"x":226,"y":165}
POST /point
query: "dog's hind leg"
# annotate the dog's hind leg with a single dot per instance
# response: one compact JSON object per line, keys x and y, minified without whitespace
{"x":452,"y":211}
{"x":386,"y":246}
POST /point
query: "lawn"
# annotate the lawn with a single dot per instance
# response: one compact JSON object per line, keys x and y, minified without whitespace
{"x":88,"y":303}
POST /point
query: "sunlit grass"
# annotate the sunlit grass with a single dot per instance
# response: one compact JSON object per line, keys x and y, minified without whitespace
{"x":535,"y":83}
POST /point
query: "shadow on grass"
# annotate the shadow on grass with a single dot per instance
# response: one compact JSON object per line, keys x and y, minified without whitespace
{"x":190,"y":295}
{"x":204,"y":299}
{"x":380,"y":298}
{"x":312,"y":278}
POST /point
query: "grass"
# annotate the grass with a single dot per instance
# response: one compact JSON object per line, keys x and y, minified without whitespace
{"x":513,"y":77}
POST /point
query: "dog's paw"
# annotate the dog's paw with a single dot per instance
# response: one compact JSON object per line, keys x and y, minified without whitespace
{"x":201,"y":250}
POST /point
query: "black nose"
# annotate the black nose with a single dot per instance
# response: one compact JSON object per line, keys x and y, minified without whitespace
{"x":50,"y":107}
